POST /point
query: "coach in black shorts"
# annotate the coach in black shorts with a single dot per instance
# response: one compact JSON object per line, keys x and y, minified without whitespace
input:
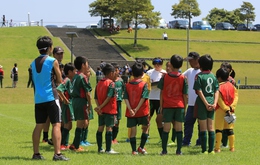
{"x":46,"y":98}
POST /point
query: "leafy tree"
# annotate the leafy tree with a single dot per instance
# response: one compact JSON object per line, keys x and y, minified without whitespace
{"x":140,"y":11}
{"x":221,"y":15}
{"x":247,"y":11}
{"x":104,"y":8}
{"x":186,"y":9}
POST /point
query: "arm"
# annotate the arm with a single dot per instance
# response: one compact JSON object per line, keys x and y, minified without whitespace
{"x":185,"y":98}
{"x":222,"y":104}
{"x":139,"y":105}
{"x":63,"y":98}
{"x":57,"y":72}
{"x":161,"y":102}
{"x":216,"y":96}
{"x":88,"y":97}
{"x":131,"y":111}
{"x":200,"y":94}
{"x":234,"y":104}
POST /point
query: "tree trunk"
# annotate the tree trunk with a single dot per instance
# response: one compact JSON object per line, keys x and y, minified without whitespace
{"x":135,"y":38}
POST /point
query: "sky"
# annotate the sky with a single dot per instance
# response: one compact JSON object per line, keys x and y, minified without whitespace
{"x":62,"y":12}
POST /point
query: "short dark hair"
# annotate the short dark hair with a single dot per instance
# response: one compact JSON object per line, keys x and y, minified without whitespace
{"x":157,"y":60}
{"x":15,"y":64}
{"x":226,"y":65}
{"x":206,"y":62}
{"x":79,"y":60}
{"x":142,"y":61}
{"x":137,"y":69}
{"x":68,"y":67}
{"x":43,"y":44}
{"x":176,"y":61}
{"x":107,"y":69}
{"x":115,"y":65}
{"x":222,"y":73}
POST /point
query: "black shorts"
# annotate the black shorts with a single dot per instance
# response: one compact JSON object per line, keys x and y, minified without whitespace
{"x":51,"y":109}
{"x":154,"y":106}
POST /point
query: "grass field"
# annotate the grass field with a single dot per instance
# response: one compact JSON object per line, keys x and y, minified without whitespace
{"x":17,"y":110}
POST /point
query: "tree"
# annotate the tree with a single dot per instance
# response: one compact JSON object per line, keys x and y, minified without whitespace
{"x":140,"y":11}
{"x":247,"y":11}
{"x":186,"y":9}
{"x":104,"y":8}
{"x":221,"y":15}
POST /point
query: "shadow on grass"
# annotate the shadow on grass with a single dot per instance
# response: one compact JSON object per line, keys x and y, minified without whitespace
{"x":14,"y":158}
{"x":131,"y":49}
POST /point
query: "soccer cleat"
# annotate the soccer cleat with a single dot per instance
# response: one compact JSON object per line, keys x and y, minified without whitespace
{"x":212,"y":153}
{"x":112,"y":152}
{"x":172,"y":144}
{"x":142,"y":150}
{"x":205,"y":152}
{"x":38,"y":157}
{"x":163,"y":153}
{"x":87,"y":143}
{"x":64,"y":147}
{"x":73,"y":148}
{"x":82,"y":143}
{"x":217,"y":150}
{"x":178,"y":153}
{"x":60,"y":157}
{"x":101,"y":151}
{"x":50,"y":142}
{"x":115,"y":141}
{"x":45,"y":140}
{"x":222,"y":146}
{"x":134,"y":153}
{"x":185,"y":145}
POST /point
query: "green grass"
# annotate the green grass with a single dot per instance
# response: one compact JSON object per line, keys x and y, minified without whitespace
{"x":17,"y":107}
{"x":17,"y":123}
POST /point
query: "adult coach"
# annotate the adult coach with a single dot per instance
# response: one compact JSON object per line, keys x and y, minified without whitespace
{"x":46,"y":98}
{"x":193,"y":58}
{"x":154,"y":96}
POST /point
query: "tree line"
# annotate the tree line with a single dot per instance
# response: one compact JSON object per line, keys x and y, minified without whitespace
{"x":141,"y":12}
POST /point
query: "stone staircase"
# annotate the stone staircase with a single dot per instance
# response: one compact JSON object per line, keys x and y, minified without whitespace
{"x":96,"y":50}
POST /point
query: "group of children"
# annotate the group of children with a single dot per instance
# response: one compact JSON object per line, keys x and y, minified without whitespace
{"x":216,"y":95}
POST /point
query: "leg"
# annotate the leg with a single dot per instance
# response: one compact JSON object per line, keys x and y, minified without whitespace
{"x":99,"y":137}
{"x":179,"y":135}
{"x":188,"y":125}
{"x":159,"y":119}
{"x":211,"y":132}
{"x":36,"y":135}
{"x":56,"y":134}
{"x":144,"y":135}
{"x":133,"y":138}
{"x":165,"y":136}
{"x":108,"y":138}
{"x":203,"y":135}
{"x":46,"y":126}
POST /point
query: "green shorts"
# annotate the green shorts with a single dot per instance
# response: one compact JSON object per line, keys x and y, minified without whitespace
{"x":107,"y":120}
{"x":80,"y":108}
{"x":134,"y":121}
{"x":170,"y":114}
{"x":91,"y":115}
{"x":67,"y":113}
{"x":203,"y":113}
{"x":119,"y":110}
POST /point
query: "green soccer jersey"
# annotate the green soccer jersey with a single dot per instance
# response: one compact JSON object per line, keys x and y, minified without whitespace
{"x":80,"y":86}
{"x":64,"y":87}
{"x":120,"y":88}
{"x":206,"y":82}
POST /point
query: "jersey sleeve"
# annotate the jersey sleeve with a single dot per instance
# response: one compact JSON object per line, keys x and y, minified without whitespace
{"x":185,"y":86}
{"x":111,"y":90}
{"x":62,"y":87}
{"x":86,"y":85}
{"x":197,"y":83}
{"x":145,"y":93}
{"x":160,"y":84}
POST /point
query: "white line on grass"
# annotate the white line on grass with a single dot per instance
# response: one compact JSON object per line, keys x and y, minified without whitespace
{"x":17,"y":119}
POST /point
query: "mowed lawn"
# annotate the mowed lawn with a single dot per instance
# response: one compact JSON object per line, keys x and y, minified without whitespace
{"x":17,"y":113}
